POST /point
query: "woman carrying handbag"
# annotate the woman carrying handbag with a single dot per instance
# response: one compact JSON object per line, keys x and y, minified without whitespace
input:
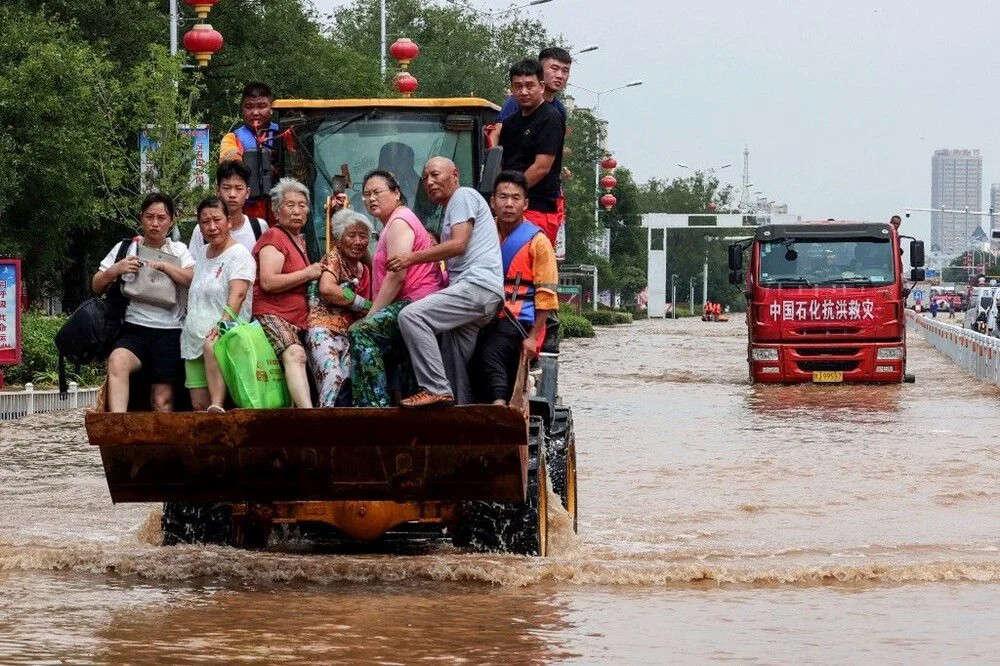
{"x":150,"y":337}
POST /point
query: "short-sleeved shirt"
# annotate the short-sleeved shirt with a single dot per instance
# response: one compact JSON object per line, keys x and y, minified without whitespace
{"x":337,"y":318}
{"x":209,"y":294}
{"x":244,"y":236}
{"x":290,"y":305}
{"x":524,"y":137}
{"x":510,"y":107}
{"x":545,"y":270}
{"x":481,"y":263}
{"x":144,"y":314}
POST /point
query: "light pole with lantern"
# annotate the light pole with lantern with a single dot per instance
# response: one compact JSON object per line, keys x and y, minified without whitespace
{"x":598,"y":93}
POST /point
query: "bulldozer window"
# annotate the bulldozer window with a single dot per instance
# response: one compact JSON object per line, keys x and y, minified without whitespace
{"x":397,"y":142}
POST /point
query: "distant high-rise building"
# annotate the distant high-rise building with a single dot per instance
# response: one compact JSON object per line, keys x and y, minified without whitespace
{"x":956,"y":183}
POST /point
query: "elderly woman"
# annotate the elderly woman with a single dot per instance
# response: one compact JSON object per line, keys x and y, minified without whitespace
{"x":345,"y":291}
{"x":224,"y":270}
{"x":150,"y":336}
{"x":377,"y":335}
{"x":279,"y":294}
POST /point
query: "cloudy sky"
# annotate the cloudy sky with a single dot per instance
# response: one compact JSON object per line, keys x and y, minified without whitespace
{"x":842,"y":104}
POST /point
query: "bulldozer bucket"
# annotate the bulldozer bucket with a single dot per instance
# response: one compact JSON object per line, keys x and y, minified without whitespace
{"x":475,"y":452}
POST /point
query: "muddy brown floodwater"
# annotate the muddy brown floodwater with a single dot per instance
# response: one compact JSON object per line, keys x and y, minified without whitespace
{"x":719,"y":520}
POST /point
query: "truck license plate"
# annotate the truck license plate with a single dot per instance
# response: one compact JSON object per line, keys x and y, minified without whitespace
{"x":828,"y":377}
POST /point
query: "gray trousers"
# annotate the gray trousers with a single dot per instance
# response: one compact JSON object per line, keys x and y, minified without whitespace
{"x":457,"y":312}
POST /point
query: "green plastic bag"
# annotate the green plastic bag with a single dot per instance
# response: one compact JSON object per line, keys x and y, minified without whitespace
{"x":253,"y":374}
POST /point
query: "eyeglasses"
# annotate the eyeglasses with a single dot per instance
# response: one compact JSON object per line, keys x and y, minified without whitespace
{"x":371,"y":194}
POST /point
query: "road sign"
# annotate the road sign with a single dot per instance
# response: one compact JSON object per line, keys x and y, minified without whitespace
{"x":931,"y":273}
{"x":918,"y":295}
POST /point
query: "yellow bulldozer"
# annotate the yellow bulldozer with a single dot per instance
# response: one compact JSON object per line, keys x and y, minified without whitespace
{"x":477,"y":474}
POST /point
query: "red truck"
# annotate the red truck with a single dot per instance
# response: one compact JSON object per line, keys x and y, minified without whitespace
{"x":825,"y":301}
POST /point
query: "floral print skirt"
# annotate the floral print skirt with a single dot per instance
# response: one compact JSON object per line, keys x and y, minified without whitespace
{"x":330,"y":361}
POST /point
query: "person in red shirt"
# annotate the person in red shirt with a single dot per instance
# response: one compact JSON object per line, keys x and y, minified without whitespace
{"x":280,"y":301}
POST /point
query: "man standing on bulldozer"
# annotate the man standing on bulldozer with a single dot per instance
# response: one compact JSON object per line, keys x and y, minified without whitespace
{"x":252,"y":144}
{"x":532,"y":141}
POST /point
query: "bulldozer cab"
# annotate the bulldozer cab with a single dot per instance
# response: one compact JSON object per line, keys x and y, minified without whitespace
{"x":332,"y":144}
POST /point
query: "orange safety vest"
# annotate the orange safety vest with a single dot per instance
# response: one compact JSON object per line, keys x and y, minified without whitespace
{"x":519,"y":280}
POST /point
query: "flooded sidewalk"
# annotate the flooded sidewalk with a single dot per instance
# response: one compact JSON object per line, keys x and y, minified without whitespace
{"x":718,"y":520}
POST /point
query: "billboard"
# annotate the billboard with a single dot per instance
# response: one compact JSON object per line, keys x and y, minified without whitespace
{"x":10,"y":311}
{"x":199,"y":164}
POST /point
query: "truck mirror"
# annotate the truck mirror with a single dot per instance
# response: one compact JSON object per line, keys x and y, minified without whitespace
{"x":735,"y":258}
{"x":917,"y":274}
{"x":916,"y":253}
{"x":735,"y":277}
{"x":491,"y":169}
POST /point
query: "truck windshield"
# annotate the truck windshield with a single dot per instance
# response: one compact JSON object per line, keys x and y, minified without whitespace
{"x":399,"y":143}
{"x":820,"y":262}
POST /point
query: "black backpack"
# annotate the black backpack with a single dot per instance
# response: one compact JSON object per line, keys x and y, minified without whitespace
{"x":93,"y":328}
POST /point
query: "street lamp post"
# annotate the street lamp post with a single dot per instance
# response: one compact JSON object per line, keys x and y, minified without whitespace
{"x":598,"y":93}
{"x":586,"y":49}
{"x":673,"y":293}
{"x":709,"y":170}
{"x":691,"y":294}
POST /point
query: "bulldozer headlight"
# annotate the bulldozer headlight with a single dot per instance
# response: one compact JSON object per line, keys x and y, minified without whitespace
{"x":764,"y":354}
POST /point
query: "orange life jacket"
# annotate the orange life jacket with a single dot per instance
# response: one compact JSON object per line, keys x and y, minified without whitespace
{"x":519,"y":279}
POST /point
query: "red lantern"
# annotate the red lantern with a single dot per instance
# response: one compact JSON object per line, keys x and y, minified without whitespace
{"x":608,"y":201}
{"x":203,"y":42}
{"x":202,"y":7}
{"x":608,"y":182}
{"x":609,"y":163}
{"x":406,"y":84}
{"x":712,"y":206}
{"x":404,"y":50}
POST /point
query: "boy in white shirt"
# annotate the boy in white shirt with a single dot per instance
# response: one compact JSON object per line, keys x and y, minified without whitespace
{"x":232,"y":183}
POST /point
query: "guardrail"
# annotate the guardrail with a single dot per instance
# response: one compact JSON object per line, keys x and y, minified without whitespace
{"x":15,"y":404}
{"x":976,"y":352}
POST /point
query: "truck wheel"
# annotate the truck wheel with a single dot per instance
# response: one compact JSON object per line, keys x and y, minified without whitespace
{"x":188,"y":522}
{"x":520,"y":528}
{"x":560,"y":458}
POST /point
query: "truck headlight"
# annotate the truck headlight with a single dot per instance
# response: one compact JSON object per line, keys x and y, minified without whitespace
{"x":764,"y":354}
{"x":893,"y":353}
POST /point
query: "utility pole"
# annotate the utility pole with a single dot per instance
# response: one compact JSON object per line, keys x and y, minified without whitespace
{"x":174,"y":20}
{"x":691,"y":289}
{"x":704,"y":284}
{"x":381,"y":53}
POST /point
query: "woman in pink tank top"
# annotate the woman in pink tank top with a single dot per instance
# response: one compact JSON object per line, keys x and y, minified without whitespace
{"x":377,"y":336}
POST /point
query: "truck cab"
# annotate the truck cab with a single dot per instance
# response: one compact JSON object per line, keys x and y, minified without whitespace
{"x":825,"y":302}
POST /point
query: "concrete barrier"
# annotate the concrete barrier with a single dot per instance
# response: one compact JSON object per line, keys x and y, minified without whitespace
{"x":976,"y":352}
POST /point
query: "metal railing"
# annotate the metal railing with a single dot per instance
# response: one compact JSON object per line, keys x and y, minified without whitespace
{"x":976,"y":352}
{"x":15,"y":404}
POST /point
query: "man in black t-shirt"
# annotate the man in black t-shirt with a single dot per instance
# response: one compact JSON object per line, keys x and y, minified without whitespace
{"x":532,"y":143}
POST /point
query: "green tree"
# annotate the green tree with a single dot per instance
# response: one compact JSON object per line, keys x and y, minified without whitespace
{"x":462,"y":52}
{"x":52,"y":195}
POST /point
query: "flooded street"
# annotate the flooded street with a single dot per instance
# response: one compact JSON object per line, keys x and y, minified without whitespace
{"x":718,"y":520}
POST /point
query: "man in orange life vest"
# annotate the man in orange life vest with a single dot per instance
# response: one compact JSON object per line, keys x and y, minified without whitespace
{"x":256,"y":134}
{"x":530,"y":281}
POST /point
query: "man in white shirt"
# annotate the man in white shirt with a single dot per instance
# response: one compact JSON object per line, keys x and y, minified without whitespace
{"x":232,"y":182}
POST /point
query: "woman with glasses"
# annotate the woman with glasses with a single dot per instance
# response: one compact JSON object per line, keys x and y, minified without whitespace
{"x":280,"y":291}
{"x":376,"y":337}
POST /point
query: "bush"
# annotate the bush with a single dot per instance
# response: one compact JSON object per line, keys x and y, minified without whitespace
{"x":639,"y":314}
{"x":622,"y":317}
{"x":574,"y":326}
{"x":600,"y":317}
{"x":40,"y":359}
